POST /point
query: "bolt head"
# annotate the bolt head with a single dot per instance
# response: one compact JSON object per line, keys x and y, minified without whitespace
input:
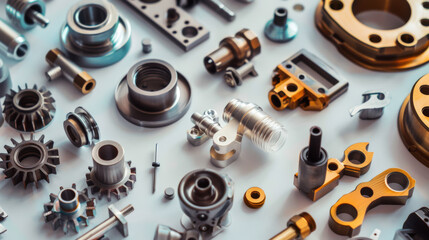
{"x":252,"y":39}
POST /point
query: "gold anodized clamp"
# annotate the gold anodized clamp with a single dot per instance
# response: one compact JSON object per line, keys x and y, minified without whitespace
{"x":393,"y":186}
{"x":357,"y":160}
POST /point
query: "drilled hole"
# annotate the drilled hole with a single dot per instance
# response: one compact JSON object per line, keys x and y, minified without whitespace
{"x":91,"y":15}
{"x":407,"y":38}
{"x":203,"y":183}
{"x":276,"y":101}
{"x":108,"y":152}
{"x":292,"y":87}
{"x":255,"y":194}
{"x":89,"y":86}
{"x":336,"y":5}
{"x":68,"y":195}
{"x":222,"y":139}
{"x":321,"y":90}
{"x":424,"y":89}
{"x":356,"y":157}
{"x":425,"y":111}
{"x":374,"y":38}
{"x":397,"y":181}
{"x":366,"y":192}
{"x":426,"y":5}
{"x":152,"y":77}
{"x":22,"y":50}
{"x":346,"y":212}
{"x":425,"y":22}
{"x":29,"y":156}
{"x":189,"y":32}
{"x":333,"y":166}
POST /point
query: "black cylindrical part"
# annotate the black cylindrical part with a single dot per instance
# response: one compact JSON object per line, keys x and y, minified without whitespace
{"x":312,"y":173}
{"x":315,"y":144}
{"x":280,"y":17}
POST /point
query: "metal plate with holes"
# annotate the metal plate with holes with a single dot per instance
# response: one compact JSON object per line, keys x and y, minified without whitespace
{"x":185,"y":31}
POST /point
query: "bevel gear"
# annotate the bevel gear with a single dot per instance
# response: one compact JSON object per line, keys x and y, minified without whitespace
{"x":110,"y":174}
{"x":29,"y":160}
{"x":69,"y":209}
{"x":29,"y":109}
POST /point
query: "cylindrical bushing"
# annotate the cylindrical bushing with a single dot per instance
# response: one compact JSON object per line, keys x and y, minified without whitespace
{"x":109,"y":164}
{"x":12,"y":43}
{"x":313,"y":162}
{"x":68,"y":199}
{"x":95,"y":35}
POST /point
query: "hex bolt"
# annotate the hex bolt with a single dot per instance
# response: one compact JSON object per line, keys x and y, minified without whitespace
{"x":146,"y":45}
{"x":298,"y":227}
{"x":117,"y":219}
{"x":61,"y":66}
{"x":280,"y":28}
{"x":235,"y":76}
{"x":27,"y":13}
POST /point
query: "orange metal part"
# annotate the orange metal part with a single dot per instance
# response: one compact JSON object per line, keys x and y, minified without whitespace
{"x":393,"y":186}
{"x":254,"y":197}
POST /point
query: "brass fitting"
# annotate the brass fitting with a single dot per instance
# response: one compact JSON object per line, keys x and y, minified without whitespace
{"x":393,"y":186}
{"x":254,"y":197}
{"x":304,"y":81}
{"x":61,"y":66}
{"x":413,"y":121}
{"x":233,"y":51}
{"x":356,"y":162}
{"x":298,"y":227}
{"x":383,"y":48}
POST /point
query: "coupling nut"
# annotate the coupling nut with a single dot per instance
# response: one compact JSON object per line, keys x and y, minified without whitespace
{"x":61,"y":66}
{"x":233,"y":51}
{"x":298,"y":227}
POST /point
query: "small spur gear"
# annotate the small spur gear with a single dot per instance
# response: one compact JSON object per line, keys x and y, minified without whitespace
{"x":29,"y":160}
{"x":110,"y":175}
{"x":29,"y":109}
{"x":70,"y":209}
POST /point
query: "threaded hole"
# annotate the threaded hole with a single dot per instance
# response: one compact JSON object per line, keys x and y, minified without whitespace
{"x":108,"y":152}
{"x":22,"y":50}
{"x":255,"y":194}
{"x":152,"y":77}
{"x":269,"y":135}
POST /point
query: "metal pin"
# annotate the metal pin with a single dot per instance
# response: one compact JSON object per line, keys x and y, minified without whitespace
{"x":38,"y":18}
{"x":220,"y":8}
{"x":117,"y":219}
{"x":146,"y":45}
{"x":373,"y":105}
{"x":155,"y":165}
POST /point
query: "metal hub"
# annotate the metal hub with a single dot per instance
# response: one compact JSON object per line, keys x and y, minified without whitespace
{"x":153,"y":94}
{"x":30,"y":160}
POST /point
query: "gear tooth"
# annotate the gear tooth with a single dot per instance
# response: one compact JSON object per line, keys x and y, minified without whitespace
{"x":74,"y":186}
{"x":90,"y":168}
{"x":108,"y":194}
{"x":22,"y":137}
{"x":48,"y":207}
{"x":52,"y":168}
{"x":129,"y":163}
{"x":19,"y":88}
{"x":88,"y":179}
{"x":35,"y":87}
{"x":65,"y":227}
{"x":12,"y":93}
{"x":10,"y":172}
{"x":25,"y":179}
{"x":45,"y":175}
{"x":52,"y":197}
{"x":61,"y":188}
{"x":31,"y":136}
{"x":8,"y":148}
{"x":14,"y":141}
{"x":17,"y":177}
{"x":50,"y":144}
{"x":130,"y":184}
{"x":84,"y":220}
{"x":133,"y":170}
{"x":48,"y":216}
{"x":42,"y":138}
{"x":56,"y":223}
{"x":54,"y":159}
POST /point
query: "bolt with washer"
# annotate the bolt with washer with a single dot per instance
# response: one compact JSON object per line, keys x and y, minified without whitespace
{"x":235,"y":76}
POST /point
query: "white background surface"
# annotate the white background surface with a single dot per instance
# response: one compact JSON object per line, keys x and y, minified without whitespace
{"x":272,"y":172}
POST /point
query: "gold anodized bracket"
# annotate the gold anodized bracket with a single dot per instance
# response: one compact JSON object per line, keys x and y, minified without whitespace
{"x":393,"y":186}
{"x":357,"y":160}
{"x":304,"y":81}
{"x":381,"y":48}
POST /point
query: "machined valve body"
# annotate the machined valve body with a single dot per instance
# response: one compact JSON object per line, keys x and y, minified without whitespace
{"x":206,"y":198}
{"x":95,"y":35}
{"x":12,"y":43}
{"x":153,"y":94}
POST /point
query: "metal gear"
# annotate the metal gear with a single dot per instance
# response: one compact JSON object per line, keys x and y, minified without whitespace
{"x":29,"y":160}
{"x":29,"y":109}
{"x":69,"y":209}
{"x":110,"y":175}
